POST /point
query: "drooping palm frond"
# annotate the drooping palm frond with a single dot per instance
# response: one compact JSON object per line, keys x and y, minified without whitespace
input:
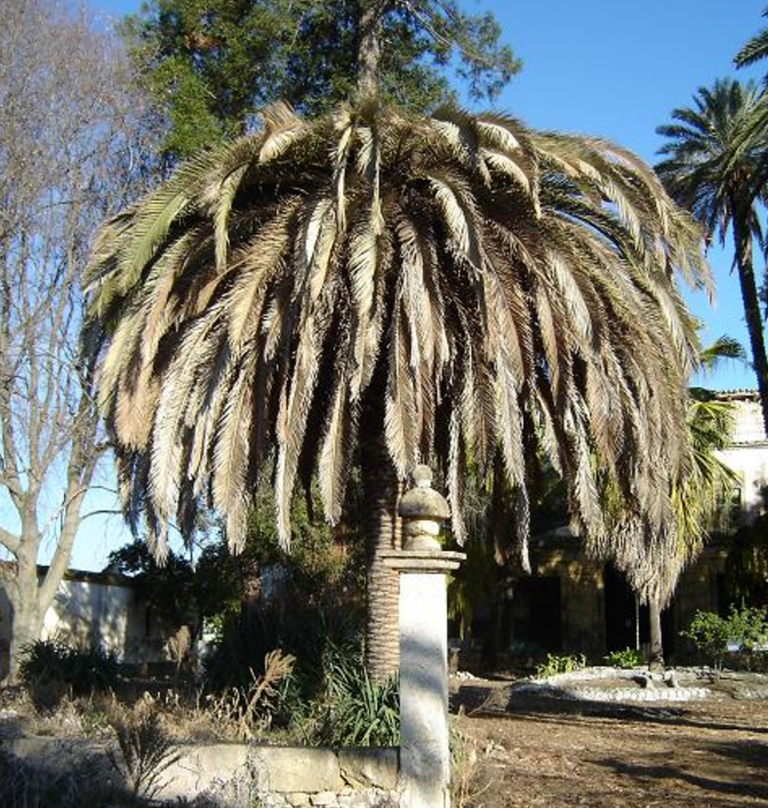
{"x":652,"y":560}
{"x":469,"y":273}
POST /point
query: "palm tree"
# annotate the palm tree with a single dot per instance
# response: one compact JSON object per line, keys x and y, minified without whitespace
{"x":430,"y":289}
{"x":715,"y":170}
{"x":653,"y":562}
{"x":424,"y":285}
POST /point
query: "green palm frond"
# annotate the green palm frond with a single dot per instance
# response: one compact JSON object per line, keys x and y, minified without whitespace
{"x":754,"y":49}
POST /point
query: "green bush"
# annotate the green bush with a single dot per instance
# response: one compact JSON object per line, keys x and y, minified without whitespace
{"x":567,"y":663}
{"x":626,"y":658}
{"x":328,"y":698}
{"x":711,"y":633}
{"x":55,"y":669}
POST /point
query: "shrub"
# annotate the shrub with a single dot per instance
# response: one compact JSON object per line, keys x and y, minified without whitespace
{"x":711,"y":633}
{"x":560,"y":664}
{"x":146,"y":751}
{"x":50,"y":670}
{"x":626,"y":658}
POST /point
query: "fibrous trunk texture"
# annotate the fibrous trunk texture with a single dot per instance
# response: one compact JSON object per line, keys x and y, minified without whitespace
{"x":383,"y":532}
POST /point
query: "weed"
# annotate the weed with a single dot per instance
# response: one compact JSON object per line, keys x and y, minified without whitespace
{"x":626,"y":658}
{"x":146,"y":751}
{"x":560,"y":664}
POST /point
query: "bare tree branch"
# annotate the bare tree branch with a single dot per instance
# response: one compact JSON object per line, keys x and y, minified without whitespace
{"x":9,"y":540}
{"x":73,"y":138}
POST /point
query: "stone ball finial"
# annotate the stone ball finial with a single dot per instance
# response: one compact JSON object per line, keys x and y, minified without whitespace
{"x":422,"y":476}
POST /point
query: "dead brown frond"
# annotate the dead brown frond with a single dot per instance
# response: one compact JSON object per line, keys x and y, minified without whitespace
{"x":476,"y":281}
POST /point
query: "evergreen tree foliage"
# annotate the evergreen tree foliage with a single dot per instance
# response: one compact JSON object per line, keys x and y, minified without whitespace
{"x":211,"y":64}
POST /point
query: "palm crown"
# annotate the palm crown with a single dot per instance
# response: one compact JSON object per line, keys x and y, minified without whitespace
{"x":715,"y":162}
{"x":493,"y":286}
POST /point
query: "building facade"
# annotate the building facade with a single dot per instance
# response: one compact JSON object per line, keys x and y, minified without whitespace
{"x":573,"y":604}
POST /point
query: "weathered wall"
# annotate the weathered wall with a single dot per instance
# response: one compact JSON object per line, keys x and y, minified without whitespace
{"x":582,"y":609}
{"x":750,"y":462}
{"x":99,"y":609}
{"x":237,"y":775}
{"x":282,"y":777}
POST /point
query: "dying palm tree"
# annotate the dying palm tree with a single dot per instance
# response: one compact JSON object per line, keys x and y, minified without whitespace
{"x":429,"y":288}
{"x":652,"y":561}
{"x":715,"y":165}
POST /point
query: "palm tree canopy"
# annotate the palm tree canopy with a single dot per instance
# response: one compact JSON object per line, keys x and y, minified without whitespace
{"x":717,"y":166}
{"x":712,"y":166}
{"x":487,"y":282}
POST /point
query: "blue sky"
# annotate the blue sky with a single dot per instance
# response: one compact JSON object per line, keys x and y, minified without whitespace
{"x":614,"y":69}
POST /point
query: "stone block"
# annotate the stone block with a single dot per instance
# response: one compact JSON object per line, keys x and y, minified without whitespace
{"x":324,"y":799}
{"x":297,"y":798}
{"x":369,"y":768}
{"x":295,"y":768}
{"x":205,"y":769}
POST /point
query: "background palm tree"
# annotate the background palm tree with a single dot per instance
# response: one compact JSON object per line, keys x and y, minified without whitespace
{"x":715,"y":166}
{"x":653,"y":562}
{"x":754,"y":49}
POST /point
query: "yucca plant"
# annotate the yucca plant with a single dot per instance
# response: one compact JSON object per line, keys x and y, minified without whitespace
{"x":356,"y":710}
{"x":437,"y":288}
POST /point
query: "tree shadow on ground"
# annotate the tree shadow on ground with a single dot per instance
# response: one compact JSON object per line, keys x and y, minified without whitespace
{"x":752,"y":757}
{"x":479,"y":701}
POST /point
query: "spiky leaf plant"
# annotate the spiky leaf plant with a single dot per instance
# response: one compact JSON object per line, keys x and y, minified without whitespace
{"x":460,"y":285}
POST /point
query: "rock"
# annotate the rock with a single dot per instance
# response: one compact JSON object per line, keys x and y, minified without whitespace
{"x":670,"y":677}
{"x":324,"y":798}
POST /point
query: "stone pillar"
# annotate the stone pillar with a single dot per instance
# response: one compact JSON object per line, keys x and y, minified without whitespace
{"x":422,"y":566}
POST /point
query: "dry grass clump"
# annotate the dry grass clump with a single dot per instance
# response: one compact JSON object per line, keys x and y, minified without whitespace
{"x":472,"y":775}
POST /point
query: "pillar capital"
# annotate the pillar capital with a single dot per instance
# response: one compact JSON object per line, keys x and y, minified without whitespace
{"x":422,"y":561}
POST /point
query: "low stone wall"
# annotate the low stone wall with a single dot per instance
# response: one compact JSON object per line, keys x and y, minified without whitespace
{"x":238,"y":775}
{"x":279,"y":777}
{"x":653,"y":687}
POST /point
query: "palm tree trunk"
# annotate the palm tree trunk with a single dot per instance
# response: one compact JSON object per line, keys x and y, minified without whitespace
{"x":382,"y":490}
{"x":742,"y":238}
{"x":656,"y":661}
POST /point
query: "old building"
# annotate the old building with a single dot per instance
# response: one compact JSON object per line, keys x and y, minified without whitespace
{"x":103,"y":609}
{"x":572,"y":604}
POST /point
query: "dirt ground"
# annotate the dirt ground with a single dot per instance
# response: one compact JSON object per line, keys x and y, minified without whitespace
{"x":535,"y":751}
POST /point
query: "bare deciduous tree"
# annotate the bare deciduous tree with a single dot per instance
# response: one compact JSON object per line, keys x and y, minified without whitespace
{"x":71,"y":150}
